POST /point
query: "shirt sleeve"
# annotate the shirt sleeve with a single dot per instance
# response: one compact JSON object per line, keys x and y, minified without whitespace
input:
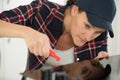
{"x":101,"y":43}
{"x":23,"y":14}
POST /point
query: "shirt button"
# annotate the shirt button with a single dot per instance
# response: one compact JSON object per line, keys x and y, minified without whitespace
{"x":78,"y":59}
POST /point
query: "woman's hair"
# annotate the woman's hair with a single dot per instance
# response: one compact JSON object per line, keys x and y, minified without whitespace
{"x":70,"y":3}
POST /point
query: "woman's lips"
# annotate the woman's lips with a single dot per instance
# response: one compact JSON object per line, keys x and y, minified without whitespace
{"x":83,"y":40}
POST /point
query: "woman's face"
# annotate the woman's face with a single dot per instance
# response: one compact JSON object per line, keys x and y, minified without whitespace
{"x":84,"y":69}
{"x":80,"y":28}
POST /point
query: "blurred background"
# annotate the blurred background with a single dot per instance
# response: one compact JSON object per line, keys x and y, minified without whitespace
{"x":13,"y":51}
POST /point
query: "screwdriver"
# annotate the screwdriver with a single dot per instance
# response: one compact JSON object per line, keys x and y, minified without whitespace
{"x":52,"y":54}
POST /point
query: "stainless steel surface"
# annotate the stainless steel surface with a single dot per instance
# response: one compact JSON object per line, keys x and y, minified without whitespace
{"x":114,"y":61}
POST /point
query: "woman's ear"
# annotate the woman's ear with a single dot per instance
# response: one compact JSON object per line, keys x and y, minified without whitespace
{"x":74,"y":10}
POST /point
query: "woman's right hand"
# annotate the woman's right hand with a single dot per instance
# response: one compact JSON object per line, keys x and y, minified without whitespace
{"x":38,"y":43}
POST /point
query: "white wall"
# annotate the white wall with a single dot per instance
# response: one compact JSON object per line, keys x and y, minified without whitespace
{"x":114,"y":43}
{"x":13,"y":50}
{"x":62,"y":2}
{"x":1,"y":5}
{"x":9,"y":4}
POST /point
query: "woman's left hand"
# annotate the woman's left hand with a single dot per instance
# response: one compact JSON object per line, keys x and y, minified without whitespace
{"x":102,"y":54}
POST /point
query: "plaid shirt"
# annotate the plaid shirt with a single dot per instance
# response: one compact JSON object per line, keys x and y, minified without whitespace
{"x":47,"y":17}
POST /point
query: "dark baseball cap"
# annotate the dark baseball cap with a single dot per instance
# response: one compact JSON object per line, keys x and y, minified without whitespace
{"x":100,"y":13}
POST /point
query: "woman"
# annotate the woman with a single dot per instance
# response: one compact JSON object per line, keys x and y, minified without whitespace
{"x":80,"y":26}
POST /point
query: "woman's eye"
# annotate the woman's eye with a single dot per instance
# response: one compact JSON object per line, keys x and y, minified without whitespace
{"x":99,"y":32}
{"x":87,"y":26}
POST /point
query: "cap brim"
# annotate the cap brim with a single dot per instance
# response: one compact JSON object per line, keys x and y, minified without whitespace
{"x":100,"y":23}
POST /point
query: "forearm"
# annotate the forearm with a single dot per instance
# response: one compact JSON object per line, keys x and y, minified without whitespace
{"x":12,"y":30}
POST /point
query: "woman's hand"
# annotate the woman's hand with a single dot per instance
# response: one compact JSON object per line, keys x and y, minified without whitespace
{"x":102,"y":54}
{"x":38,"y":43}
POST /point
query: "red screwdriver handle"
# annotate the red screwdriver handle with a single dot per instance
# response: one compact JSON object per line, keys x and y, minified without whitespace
{"x":52,"y":54}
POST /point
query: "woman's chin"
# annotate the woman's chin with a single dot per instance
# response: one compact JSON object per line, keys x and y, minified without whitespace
{"x":79,"y":44}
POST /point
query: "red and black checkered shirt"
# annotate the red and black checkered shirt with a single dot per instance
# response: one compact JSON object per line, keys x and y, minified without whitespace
{"x":47,"y":17}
